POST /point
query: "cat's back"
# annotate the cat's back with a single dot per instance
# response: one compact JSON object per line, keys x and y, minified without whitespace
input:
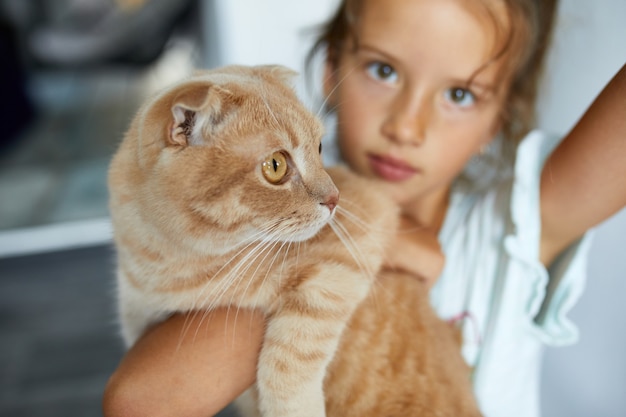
{"x":397,"y":358}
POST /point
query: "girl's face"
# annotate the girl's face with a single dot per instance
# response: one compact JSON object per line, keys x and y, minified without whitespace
{"x":406,"y":114}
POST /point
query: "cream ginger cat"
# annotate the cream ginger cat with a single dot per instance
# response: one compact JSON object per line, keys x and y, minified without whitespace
{"x":219,"y":198}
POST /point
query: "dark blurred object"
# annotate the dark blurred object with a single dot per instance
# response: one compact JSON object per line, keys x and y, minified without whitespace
{"x":16,"y":109}
{"x":73,"y":34}
{"x":58,"y":337}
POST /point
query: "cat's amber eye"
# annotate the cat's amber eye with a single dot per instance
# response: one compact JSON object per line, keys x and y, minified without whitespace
{"x":275,"y":167}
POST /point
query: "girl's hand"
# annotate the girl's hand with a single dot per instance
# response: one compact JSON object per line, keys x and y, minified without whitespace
{"x":416,"y":251}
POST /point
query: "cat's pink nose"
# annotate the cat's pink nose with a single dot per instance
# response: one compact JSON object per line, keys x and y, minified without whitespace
{"x":331,"y":201}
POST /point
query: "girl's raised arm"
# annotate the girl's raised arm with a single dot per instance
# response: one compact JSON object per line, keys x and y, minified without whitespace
{"x":584,"y":181}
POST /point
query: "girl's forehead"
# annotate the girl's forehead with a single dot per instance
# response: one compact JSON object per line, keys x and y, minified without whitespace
{"x":459,"y":36}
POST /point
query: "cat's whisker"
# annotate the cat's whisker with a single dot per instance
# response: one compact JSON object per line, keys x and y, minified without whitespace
{"x":323,"y":104}
{"x":253,"y":246}
{"x":347,"y":240}
{"x":242,"y":267}
{"x":298,"y":254}
{"x":252,"y":277}
{"x":282,"y":267}
{"x":354,"y":207}
{"x":368,"y":229}
{"x":271,"y":234}
{"x":375,"y":294}
{"x":269,"y":268}
{"x":358,"y":220}
{"x":274,"y":233}
{"x":365,"y":226}
{"x":200,"y":294}
{"x":231,"y":279}
{"x":340,"y":231}
{"x":271,"y":112}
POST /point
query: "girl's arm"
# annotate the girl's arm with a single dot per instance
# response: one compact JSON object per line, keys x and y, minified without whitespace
{"x":584,"y":181}
{"x":187,"y":366}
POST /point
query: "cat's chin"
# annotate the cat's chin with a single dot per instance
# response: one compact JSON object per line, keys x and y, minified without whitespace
{"x":307,"y":234}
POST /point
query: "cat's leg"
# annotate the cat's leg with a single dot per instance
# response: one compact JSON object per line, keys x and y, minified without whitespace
{"x":301,"y":338}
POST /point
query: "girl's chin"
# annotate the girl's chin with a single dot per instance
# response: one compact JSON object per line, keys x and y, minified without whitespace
{"x":402,"y":196}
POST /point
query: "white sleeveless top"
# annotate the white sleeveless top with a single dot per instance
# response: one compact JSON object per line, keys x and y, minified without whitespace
{"x":513,"y":306}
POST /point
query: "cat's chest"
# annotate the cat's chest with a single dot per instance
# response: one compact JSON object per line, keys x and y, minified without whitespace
{"x":246,"y":279}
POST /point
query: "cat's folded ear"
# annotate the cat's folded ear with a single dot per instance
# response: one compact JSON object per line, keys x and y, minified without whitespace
{"x":198,"y":111}
{"x":281,"y":73}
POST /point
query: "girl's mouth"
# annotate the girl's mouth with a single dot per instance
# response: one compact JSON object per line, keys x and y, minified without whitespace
{"x":391,"y":169}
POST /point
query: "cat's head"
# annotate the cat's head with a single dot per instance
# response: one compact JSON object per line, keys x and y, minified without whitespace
{"x":224,"y":157}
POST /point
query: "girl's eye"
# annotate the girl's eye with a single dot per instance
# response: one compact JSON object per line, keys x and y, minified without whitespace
{"x":462,"y":97}
{"x":381,"y":71}
{"x":275,"y":167}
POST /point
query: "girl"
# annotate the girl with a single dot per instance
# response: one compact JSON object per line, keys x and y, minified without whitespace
{"x":419,"y":89}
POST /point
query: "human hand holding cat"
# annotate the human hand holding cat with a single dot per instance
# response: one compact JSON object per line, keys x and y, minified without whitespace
{"x":416,"y":251}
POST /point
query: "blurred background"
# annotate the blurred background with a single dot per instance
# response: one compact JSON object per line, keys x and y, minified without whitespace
{"x":74,"y":72}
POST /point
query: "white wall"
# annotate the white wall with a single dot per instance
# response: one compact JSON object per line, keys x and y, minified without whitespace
{"x":588,"y":379}
{"x":254,"y":32}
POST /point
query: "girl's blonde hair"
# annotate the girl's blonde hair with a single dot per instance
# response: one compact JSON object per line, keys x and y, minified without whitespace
{"x":526,"y":30}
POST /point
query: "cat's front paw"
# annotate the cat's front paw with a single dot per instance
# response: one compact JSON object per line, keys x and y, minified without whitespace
{"x":301,"y":338}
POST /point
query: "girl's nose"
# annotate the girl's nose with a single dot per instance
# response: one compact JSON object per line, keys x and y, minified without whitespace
{"x":407,"y":122}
